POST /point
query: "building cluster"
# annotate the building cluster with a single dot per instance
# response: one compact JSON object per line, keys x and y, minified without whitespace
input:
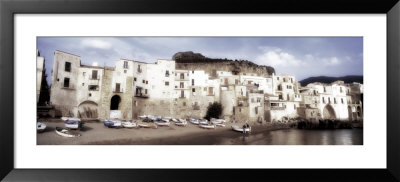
{"x":134,"y":88}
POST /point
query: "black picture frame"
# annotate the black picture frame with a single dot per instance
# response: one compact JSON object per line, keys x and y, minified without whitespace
{"x":9,"y":8}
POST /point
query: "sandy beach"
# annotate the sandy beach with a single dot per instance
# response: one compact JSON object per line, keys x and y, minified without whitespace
{"x":95,"y":133}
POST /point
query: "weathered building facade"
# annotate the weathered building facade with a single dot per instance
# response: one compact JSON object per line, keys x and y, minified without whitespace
{"x":134,"y":88}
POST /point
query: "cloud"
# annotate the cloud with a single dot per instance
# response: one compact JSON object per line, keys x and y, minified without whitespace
{"x":96,"y":43}
{"x":277,"y":57}
{"x":332,"y":61}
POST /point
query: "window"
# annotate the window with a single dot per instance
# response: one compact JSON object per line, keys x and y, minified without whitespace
{"x":279,"y":87}
{"x":280,"y":97}
{"x":167,"y":73}
{"x":184,"y":103}
{"x":147,"y":82}
{"x":66,"y":82}
{"x":334,"y":100}
{"x":294,"y":106}
{"x":67,"y":66}
{"x":182,"y":76}
{"x":193,"y":90}
{"x":226,"y":81}
{"x":83,"y":84}
{"x":166,"y":83}
{"x":182,"y":94}
{"x":181,"y":85}
{"x":329,"y":100}
{"x":249,"y":82}
{"x":144,"y":81}
{"x":139,"y":69}
{"x":258,"y":99}
{"x":256,"y":109}
{"x":193,"y":71}
{"x":205,"y":89}
{"x":210,"y":91}
{"x":84,"y":73}
{"x":342,"y":100}
{"x":323,"y":100}
{"x":90,"y":94}
{"x":277,"y":78}
{"x":284,"y":79}
{"x":288,"y":98}
{"x":126,"y":64}
{"x":341,"y":89}
{"x":117,"y":87}
{"x":145,"y":91}
{"x":94,"y":74}
{"x":93,"y":87}
{"x":324,"y":89}
{"x":134,"y":79}
{"x":124,"y":71}
{"x":236,"y":81}
{"x":192,"y":81}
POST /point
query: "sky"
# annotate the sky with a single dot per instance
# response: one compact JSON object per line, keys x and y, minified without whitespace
{"x":302,"y":57}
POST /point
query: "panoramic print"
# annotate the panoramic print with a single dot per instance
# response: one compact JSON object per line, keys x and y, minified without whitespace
{"x":199,"y":91}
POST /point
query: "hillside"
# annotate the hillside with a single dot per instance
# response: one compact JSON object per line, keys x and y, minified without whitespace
{"x":326,"y":79}
{"x":192,"y":61}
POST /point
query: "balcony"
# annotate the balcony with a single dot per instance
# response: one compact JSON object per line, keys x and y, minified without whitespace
{"x":277,"y":108}
{"x":140,"y":95}
{"x":181,"y":79}
{"x":118,"y":90}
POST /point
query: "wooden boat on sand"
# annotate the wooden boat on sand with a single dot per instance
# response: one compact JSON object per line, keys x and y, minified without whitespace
{"x":207,"y":126}
{"x":66,"y":133}
{"x":129,"y":125}
{"x":40,"y":127}
{"x":241,"y":129}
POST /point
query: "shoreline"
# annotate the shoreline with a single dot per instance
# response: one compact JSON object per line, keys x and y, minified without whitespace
{"x":95,"y":133}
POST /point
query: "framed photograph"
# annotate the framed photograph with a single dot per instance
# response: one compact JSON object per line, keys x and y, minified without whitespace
{"x":199,"y":90}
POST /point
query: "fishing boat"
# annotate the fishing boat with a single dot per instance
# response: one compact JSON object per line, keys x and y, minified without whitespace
{"x":217,"y":121}
{"x":203,"y":122}
{"x":112,"y":123}
{"x":73,"y":124}
{"x":161,"y":123}
{"x":207,"y":126}
{"x":181,"y":123}
{"x":182,"y":120}
{"x":147,"y":126}
{"x":66,"y":133}
{"x":194,"y":121}
{"x":220,"y":125}
{"x":174,"y":120}
{"x":108,"y":123}
{"x":241,"y":129}
{"x":40,"y":127}
{"x":129,"y":125}
{"x":70,"y":118}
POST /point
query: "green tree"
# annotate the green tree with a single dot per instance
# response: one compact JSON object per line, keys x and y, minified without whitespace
{"x":214,"y":111}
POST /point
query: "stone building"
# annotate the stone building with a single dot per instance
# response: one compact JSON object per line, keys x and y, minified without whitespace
{"x":133,"y":88}
{"x":39,"y":73}
{"x":331,"y":101}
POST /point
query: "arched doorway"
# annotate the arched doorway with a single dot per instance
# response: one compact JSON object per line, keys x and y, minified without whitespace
{"x":115,"y":100}
{"x":88,"y":109}
{"x":350,"y":113}
{"x":328,"y":112}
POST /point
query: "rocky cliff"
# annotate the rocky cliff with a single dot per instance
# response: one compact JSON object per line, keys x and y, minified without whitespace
{"x":195,"y":61}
